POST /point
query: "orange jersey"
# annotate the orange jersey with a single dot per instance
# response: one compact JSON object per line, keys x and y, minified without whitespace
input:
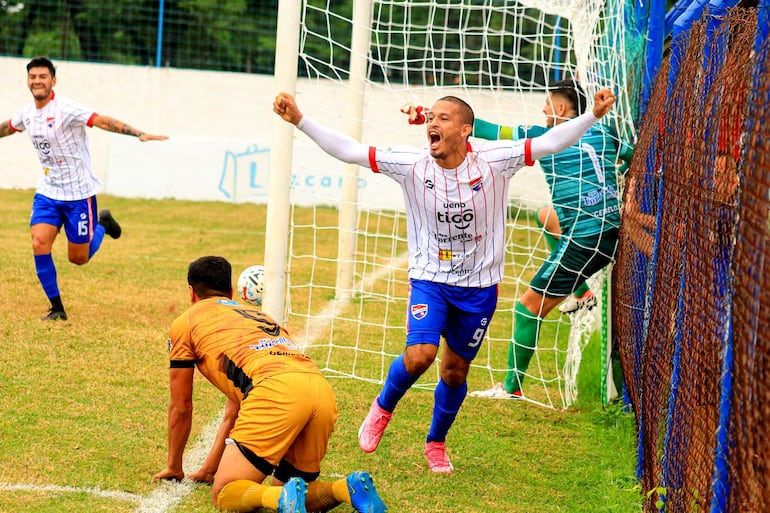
{"x":234,"y":346}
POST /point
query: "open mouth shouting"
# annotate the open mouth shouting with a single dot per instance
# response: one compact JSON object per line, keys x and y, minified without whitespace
{"x":434,"y":142}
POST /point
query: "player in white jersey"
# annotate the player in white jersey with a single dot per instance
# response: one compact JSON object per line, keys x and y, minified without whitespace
{"x":66,"y":192}
{"x":456,"y":197}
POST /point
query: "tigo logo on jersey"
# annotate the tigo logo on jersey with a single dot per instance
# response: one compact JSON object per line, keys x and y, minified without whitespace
{"x":476,"y":184}
{"x":419,"y":311}
{"x":461,"y":220}
{"x":445,"y":254}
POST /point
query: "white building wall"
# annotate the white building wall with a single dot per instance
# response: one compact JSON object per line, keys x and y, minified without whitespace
{"x":219,"y":127}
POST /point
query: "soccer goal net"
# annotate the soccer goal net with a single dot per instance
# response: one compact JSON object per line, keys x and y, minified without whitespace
{"x":360,"y":62}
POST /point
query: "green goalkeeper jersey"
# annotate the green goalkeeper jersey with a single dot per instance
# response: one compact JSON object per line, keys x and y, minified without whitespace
{"x":582,"y":179}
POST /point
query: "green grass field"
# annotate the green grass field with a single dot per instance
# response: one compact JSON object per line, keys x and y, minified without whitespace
{"x":83,"y":402}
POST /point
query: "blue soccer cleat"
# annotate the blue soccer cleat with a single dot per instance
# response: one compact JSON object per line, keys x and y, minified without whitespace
{"x":363,"y":494}
{"x":292,"y":499}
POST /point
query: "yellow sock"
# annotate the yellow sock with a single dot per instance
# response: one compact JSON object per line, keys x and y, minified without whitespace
{"x":270,"y":497}
{"x":243,"y":495}
{"x":320,"y":497}
{"x":341,"y":492}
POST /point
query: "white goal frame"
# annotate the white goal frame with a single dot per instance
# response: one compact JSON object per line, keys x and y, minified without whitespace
{"x":278,"y":230}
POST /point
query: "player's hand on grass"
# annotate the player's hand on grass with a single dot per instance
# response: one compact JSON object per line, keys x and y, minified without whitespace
{"x":417,"y":113}
{"x":286,"y":107}
{"x":202,"y":476}
{"x":603,"y":100}
{"x":168,"y":474}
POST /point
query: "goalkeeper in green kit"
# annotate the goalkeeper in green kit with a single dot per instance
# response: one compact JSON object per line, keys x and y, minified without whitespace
{"x":583,"y":184}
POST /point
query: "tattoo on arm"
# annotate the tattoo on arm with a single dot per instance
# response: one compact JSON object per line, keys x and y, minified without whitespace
{"x":113,"y":125}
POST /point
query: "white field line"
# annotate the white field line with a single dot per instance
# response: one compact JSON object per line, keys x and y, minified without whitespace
{"x":170,"y":493}
{"x":165,"y":496}
{"x":107,"y":494}
{"x":322,"y":319}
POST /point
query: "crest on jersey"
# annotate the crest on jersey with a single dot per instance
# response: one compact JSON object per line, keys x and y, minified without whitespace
{"x":419,"y":311}
{"x":476,"y":184}
{"x":49,"y":122}
{"x":445,"y":254}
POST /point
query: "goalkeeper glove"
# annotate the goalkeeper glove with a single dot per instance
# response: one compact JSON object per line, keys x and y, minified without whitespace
{"x":417,"y":113}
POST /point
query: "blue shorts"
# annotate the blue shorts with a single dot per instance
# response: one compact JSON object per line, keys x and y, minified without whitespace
{"x":78,"y":217}
{"x":461,"y":314}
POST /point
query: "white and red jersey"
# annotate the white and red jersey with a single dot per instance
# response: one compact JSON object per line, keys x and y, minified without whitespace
{"x":456,"y":217}
{"x":58,"y":133}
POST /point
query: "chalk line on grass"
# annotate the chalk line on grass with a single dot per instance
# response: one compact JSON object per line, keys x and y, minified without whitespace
{"x":165,"y":496}
{"x":49,"y":488}
{"x":170,"y":493}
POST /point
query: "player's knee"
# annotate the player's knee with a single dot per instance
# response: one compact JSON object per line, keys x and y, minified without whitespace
{"x":40,"y":247}
{"x":418,"y":358}
{"x":79,"y":259}
{"x":417,"y":367}
{"x":454,"y":376}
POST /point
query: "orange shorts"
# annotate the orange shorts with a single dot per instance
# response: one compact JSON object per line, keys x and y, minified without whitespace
{"x":288,"y":416}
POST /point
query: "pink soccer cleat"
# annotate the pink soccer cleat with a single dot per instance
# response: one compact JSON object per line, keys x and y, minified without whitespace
{"x":370,"y":432}
{"x":438,"y":461}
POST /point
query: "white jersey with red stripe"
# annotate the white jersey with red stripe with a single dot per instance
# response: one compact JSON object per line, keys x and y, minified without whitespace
{"x":456,"y":217}
{"x":58,"y":133}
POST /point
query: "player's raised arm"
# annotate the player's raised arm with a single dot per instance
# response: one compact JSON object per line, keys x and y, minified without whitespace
{"x":336,"y":144}
{"x":285,"y":106}
{"x":604,"y":99}
{"x":564,"y":135}
{"x":119,"y":127}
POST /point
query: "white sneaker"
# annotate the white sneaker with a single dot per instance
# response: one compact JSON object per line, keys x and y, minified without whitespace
{"x":496,"y":392}
{"x":573,"y":304}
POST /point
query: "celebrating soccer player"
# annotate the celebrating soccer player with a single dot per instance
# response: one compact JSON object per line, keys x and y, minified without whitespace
{"x":66,"y":192}
{"x":456,"y":197}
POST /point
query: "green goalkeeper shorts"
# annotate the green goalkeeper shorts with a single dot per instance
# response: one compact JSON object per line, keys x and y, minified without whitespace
{"x":573,"y":261}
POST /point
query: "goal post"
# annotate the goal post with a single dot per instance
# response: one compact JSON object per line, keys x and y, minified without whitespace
{"x":346,"y":284}
{"x":362,"y":12}
{"x":281,"y":151}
